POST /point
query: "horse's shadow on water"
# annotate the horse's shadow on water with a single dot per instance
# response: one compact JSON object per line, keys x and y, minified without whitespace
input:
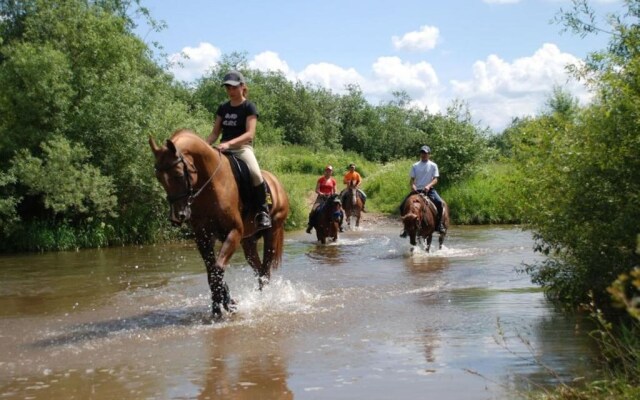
{"x":144,"y":322}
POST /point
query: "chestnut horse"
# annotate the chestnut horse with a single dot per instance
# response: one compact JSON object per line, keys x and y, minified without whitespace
{"x":419,"y":217}
{"x":326,"y":220}
{"x":202,"y":190}
{"x":352,"y":204}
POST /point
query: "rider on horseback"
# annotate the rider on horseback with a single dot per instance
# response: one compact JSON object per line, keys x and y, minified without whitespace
{"x":325,"y":187}
{"x":424,"y":176}
{"x":352,"y":176}
{"x":237,"y":119}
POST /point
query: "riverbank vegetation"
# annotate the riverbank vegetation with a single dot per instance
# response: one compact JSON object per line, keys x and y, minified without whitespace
{"x":80,"y":99}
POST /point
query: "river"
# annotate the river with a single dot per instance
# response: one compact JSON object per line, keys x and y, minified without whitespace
{"x":365,"y":317}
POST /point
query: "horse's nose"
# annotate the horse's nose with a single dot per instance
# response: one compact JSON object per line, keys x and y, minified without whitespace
{"x":178,"y":217}
{"x":184,"y":214}
{"x":175,"y":220}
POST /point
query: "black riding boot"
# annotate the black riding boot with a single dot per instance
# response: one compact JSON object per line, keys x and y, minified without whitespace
{"x":310,"y":223}
{"x":263,"y":220}
{"x":441,"y":227}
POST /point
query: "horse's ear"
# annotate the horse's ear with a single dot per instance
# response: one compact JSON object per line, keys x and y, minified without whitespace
{"x":154,"y":146}
{"x":172,"y":147}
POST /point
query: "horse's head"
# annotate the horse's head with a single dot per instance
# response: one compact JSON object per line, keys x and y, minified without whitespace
{"x":177,"y":175}
{"x":413,"y":216}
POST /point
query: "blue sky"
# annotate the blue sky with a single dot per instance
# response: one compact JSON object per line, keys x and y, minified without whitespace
{"x":502,"y":57}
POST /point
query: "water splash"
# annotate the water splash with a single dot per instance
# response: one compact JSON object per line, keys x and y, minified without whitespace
{"x":280,"y":296}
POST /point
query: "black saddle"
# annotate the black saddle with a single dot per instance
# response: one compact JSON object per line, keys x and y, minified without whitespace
{"x":243,"y":179}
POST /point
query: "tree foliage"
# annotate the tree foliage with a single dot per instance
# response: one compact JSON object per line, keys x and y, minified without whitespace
{"x":582,"y":176}
{"x":69,"y":187}
{"x":81,"y":93}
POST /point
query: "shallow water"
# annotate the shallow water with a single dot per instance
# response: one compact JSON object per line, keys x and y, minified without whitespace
{"x":365,"y":317}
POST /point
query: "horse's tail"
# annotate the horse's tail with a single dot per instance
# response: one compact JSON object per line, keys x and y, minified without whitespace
{"x":278,"y":247}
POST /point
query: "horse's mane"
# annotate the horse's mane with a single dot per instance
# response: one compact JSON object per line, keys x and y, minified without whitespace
{"x":184,"y":132}
{"x":188,"y":139}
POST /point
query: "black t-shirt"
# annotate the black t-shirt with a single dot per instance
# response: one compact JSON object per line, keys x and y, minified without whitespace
{"x":234,"y":119}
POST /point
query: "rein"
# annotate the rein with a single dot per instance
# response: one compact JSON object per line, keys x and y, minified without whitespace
{"x":189,"y":192}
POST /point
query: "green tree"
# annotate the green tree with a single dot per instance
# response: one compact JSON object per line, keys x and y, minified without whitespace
{"x":68,"y":187}
{"x":582,"y":173}
{"x":73,"y":69}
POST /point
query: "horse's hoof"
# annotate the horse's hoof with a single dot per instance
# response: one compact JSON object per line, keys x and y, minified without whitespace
{"x":216,"y":314}
{"x":231,"y":306}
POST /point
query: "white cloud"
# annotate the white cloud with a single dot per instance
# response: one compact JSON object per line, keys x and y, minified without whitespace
{"x":501,"y":90}
{"x":498,"y":90}
{"x":424,"y":39}
{"x":330,"y":76}
{"x":194,"y":62}
{"x":419,"y":80}
{"x":404,"y":75}
{"x":270,"y":61}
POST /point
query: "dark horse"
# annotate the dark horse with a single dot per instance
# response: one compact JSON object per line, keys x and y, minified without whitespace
{"x":202,"y":190}
{"x":419,"y":217}
{"x":326,"y":218}
{"x":352,"y":204}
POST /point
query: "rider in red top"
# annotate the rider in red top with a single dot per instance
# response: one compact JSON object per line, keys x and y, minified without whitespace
{"x":325,"y":187}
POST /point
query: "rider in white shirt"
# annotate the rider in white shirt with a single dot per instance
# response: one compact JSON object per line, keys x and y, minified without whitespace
{"x":424,"y":176}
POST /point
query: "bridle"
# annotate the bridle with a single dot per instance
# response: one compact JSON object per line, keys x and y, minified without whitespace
{"x":189,"y":190}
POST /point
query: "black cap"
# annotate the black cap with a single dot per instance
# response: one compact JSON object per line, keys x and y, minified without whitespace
{"x":233,"y":78}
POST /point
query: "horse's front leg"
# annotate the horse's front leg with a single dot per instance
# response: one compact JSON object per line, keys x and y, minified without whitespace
{"x":429,"y":239}
{"x":412,"y":238}
{"x":215,"y":271}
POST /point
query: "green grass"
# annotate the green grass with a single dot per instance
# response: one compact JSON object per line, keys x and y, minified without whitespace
{"x":486,"y":197}
{"x":298,"y":168}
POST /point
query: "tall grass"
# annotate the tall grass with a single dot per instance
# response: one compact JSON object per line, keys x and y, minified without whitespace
{"x":299,"y":168}
{"x":388,"y":186}
{"x":49,"y":236}
{"x":489,"y":196}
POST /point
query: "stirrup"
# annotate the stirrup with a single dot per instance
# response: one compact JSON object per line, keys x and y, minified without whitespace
{"x":442,"y":229}
{"x":263,"y":220}
{"x":309,"y":227}
{"x":403,"y":234}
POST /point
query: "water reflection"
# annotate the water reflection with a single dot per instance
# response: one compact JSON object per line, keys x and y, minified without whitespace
{"x":330,"y":254}
{"x":421,"y":263}
{"x":384,"y":323}
{"x":236,"y":374}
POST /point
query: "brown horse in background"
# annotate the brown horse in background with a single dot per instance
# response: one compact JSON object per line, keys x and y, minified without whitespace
{"x":419,"y":217}
{"x":326,"y":220}
{"x":352,"y":204}
{"x":202,"y":190}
